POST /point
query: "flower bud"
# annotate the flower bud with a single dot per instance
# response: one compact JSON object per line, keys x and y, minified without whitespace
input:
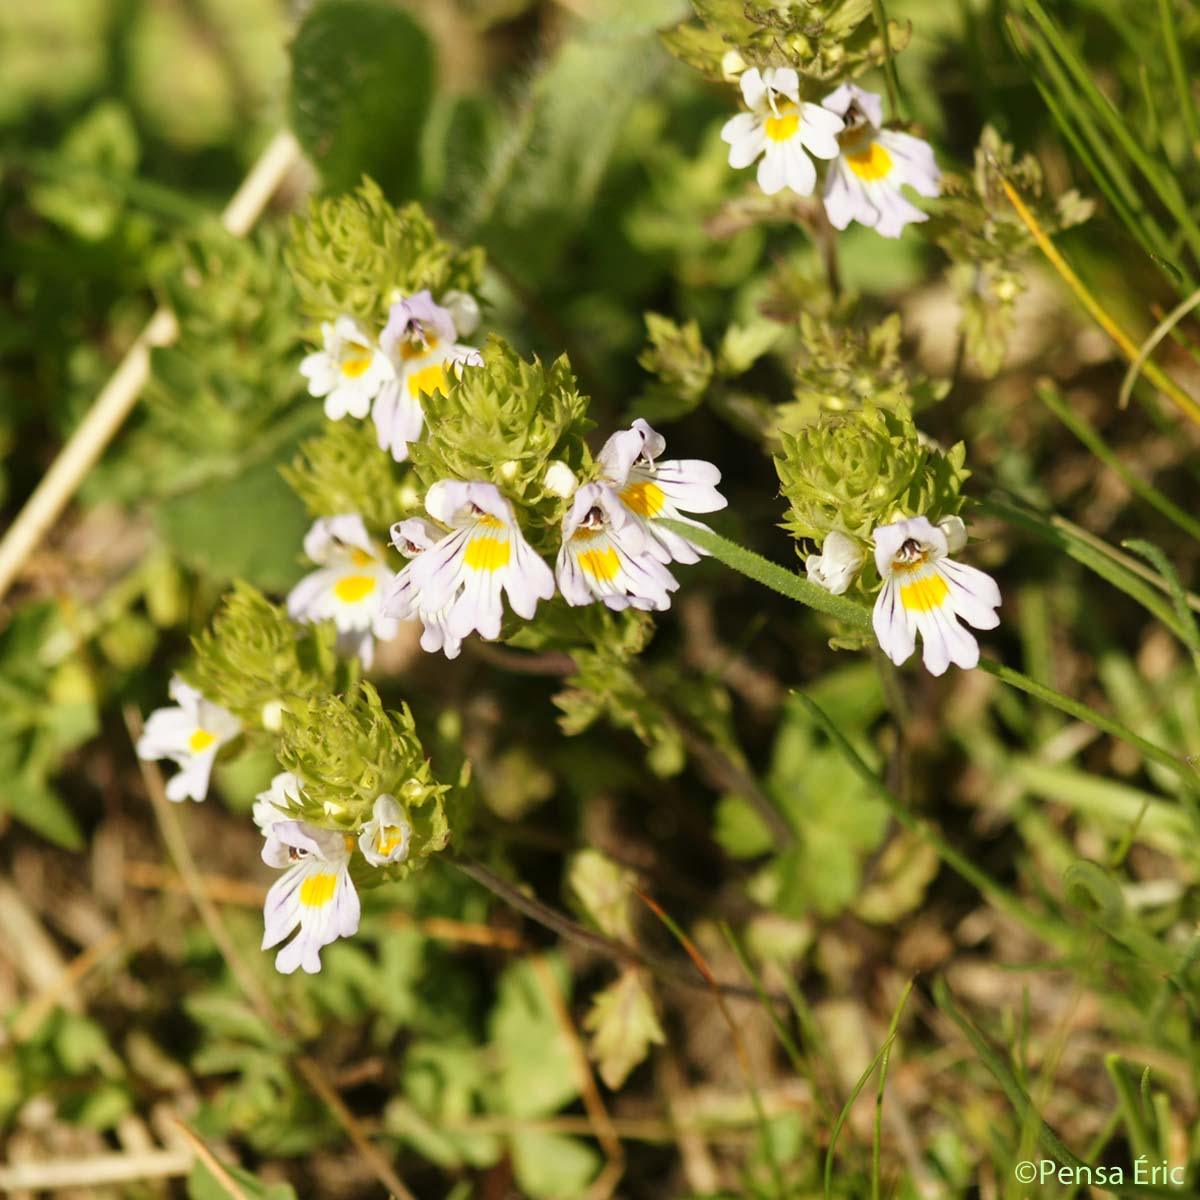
{"x":464,"y":311}
{"x":559,"y":479}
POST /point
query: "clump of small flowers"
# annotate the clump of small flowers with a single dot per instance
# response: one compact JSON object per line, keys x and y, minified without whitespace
{"x":869,"y":164}
{"x":356,"y":804}
{"x":852,"y":472}
{"x":865,"y":488}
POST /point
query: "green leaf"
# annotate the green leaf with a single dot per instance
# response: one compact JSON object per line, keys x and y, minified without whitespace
{"x":362,"y":76}
{"x":601,"y":889}
{"x":740,"y":830}
{"x":536,"y":1072}
{"x":250,"y":527}
{"x":550,"y":1165}
{"x":202,"y":1184}
{"x":33,"y":803}
{"x":623,"y":1025}
{"x":543,"y":179}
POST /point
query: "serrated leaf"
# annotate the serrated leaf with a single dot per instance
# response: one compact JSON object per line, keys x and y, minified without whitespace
{"x":362,"y":76}
{"x":601,"y":889}
{"x":624,"y":1025}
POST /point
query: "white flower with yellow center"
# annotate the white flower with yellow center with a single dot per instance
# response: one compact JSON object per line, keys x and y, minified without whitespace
{"x":651,"y":489}
{"x":925,"y":592}
{"x":607,"y":555}
{"x":455,"y":585}
{"x":419,"y":340}
{"x":784,"y":130}
{"x":386,"y":836}
{"x":838,"y":563}
{"x":349,"y":587}
{"x":315,"y":893}
{"x":348,"y":370}
{"x":190,"y":736}
{"x":864,"y":184}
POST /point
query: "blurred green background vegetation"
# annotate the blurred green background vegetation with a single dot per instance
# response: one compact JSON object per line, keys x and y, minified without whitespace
{"x":560,"y":136}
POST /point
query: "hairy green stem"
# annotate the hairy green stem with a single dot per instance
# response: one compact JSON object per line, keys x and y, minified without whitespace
{"x":788,"y":583}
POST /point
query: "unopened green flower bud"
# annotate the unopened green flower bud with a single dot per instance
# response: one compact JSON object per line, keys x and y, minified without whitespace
{"x":252,"y":657}
{"x":857,"y":471}
{"x":355,"y":254}
{"x":502,"y":423}
{"x":348,"y":751}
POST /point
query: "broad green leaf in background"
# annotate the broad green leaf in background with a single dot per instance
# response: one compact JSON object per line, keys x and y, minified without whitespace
{"x":536,"y":1075}
{"x":250,"y":527}
{"x":362,"y":75}
{"x":544,"y":177}
{"x":837,"y":820}
{"x":553,"y":1166}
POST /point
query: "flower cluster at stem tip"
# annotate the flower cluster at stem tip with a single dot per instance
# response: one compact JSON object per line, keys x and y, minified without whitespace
{"x":503,"y":506}
{"x":868,"y":163}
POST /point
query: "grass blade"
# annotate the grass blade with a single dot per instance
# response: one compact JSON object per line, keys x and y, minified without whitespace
{"x":1053,"y":400}
{"x":880,"y":1056}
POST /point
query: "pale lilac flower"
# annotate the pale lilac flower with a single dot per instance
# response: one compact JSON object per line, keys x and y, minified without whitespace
{"x":349,"y":587}
{"x":607,"y":555}
{"x":348,"y":370}
{"x":455,"y":585}
{"x":838,"y":563}
{"x":419,"y":341}
{"x":864,"y":184}
{"x":925,"y":592}
{"x":650,"y":489}
{"x":315,"y":893}
{"x":385,"y":838}
{"x":782,"y":129}
{"x":190,"y":736}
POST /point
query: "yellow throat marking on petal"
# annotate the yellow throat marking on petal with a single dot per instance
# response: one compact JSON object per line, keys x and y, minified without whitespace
{"x":357,"y":361}
{"x":924,"y":595}
{"x":488,"y":521}
{"x":870,"y":164}
{"x":350,"y":589}
{"x":317,"y":890}
{"x":388,"y":838}
{"x":487,"y":553}
{"x":428,"y":380}
{"x":645,"y":498}
{"x":600,"y":564}
{"x":409,"y":349}
{"x":782,"y":127}
{"x":201,"y":739}
{"x":361,"y":558}
{"x":349,"y":842}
